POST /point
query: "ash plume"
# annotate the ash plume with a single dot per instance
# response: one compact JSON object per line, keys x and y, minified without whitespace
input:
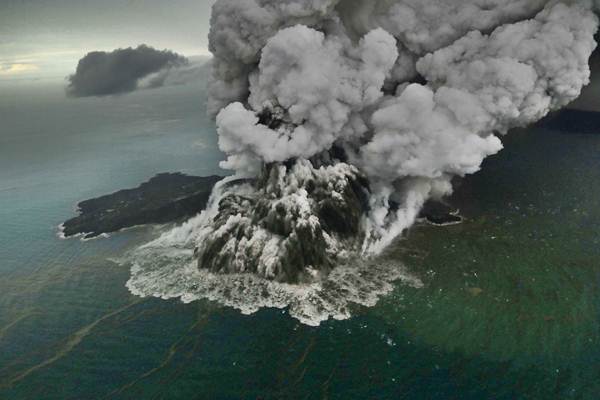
{"x":341,"y":118}
{"x":320,"y":69}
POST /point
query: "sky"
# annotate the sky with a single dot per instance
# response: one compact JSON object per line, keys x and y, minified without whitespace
{"x":44,"y":39}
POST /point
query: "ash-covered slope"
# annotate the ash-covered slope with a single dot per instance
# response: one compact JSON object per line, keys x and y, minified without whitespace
{"x":390,"y":99}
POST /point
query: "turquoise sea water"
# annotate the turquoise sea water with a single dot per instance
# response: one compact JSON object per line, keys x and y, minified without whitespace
{"x":509,"y":309}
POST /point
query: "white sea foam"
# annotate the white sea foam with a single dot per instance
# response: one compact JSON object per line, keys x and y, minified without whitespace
{"x":60,"y":232}
{"x":166,"y":268}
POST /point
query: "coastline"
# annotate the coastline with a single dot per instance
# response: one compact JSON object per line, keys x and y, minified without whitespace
{"x":165,"y":198}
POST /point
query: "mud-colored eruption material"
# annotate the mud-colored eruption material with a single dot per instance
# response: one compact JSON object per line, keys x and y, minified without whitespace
{"x":342,"y":118}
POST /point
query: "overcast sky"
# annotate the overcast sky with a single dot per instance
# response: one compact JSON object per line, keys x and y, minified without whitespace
{"x":46,"y":38}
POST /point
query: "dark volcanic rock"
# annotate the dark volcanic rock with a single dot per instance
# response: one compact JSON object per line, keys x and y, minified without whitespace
{"x":164,"y":198}
{"x":293,"y":225}
{"x":439,"y":213}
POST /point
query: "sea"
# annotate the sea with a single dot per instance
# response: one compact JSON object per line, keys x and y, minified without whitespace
{"x":508,"y":304}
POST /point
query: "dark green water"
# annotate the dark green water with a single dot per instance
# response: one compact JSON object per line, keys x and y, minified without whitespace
{"x":509,"y":310}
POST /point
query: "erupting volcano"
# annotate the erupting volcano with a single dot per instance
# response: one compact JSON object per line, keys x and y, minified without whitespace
{"x":340,"y":119}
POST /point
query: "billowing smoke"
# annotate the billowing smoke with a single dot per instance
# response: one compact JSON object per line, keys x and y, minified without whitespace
{"x":410,"y":92}
{"x":341,"y":118}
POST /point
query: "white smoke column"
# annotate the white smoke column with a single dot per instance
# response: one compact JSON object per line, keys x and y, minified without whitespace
{"x":321,"y":88}
{"x":328,"y":83}
{"x":343,"y":117}
{"x":479,"y":85}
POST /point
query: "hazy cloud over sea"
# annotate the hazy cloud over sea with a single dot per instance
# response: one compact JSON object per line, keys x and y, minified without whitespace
{"x":121,"y":71}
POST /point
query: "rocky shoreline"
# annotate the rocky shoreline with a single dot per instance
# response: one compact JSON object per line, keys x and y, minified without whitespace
{"x":165,"y":198}
{"x":440,"y":214}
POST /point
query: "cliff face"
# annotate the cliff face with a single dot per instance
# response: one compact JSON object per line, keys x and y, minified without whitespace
{"x":164,"y":198}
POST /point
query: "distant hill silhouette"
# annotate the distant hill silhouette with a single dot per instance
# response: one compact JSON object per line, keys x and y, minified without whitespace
{"x":573,"y":121}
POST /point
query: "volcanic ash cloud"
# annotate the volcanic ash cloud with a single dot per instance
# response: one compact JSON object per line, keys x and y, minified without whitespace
{"x":404,"y":95}
{"x":340,"y":118}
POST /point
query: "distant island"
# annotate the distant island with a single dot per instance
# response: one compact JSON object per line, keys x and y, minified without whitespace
{"x":165,"y":198}
{"x":571,"y":121}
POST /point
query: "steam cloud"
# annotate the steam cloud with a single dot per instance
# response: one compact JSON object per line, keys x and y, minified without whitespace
{"x":345,"y":116}
{"x":125,"y":70}
{"x":414,"y":92}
